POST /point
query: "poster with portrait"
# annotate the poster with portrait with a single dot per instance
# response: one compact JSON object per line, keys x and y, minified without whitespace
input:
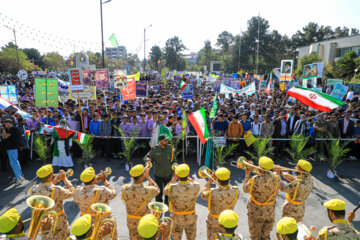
{"x":314,"y":70}
{"x":102,"y":79}
{"x":86,"y":74}
{"x":286,"y":70}
{"x":119,"y":78}
{"x":129,"y":92}
{"x":141,"y":88}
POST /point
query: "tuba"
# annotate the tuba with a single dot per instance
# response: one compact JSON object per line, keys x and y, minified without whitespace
{"x":205,"y":172}
{"x":157,"y":209}
{"x":40,"y":206}
{"x":243,"y":164}
{"x":100,"y":210}
{"x":68,"y":173}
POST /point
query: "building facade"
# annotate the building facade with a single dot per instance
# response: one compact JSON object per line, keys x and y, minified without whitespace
{"x":331,"y":50}
{"x":116,"y":52}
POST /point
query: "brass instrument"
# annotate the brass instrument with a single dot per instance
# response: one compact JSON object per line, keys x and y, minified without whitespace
{"x":69,"y":173}
{"x":148,"y":164}
{"x":174,"y":165}
{"x":107,"y":172}
{"x":39,"y":205}
{"x":243,"y":164}
{"x":100,"y":210}
{"x":289,"y":169}
{"x":157,"y":209}
{"x":205,"y":172}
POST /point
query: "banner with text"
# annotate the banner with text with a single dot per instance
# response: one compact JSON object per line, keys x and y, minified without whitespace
{"x":188,"y":92}
{"x":141,"y":88}
{"x":339,"y":91}
{"x":129,"y":92}
{"x":248,"y":90}
{"x":102,"y":79}
{"x":76,"y":81}
{"x":46,"y":92}
{"x":8,"y":92}
{"x":88,"y":93}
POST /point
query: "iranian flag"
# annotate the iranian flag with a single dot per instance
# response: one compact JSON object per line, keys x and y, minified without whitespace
{"x":82,"y":137}
{"x":314,"y":99}
{"x":198,"y":120}
{"x":62,"y":133}
{"x":182,"y":85}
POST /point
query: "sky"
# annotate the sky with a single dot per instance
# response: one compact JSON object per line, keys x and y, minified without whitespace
{"x":66,"y":26}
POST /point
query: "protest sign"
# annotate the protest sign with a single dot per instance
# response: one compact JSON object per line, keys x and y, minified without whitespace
{"x":282,"y":86}
{"x":22,"y":75}
{"x":63,"y":86}
{"x":317,"y":89}
{"x":8,"y":92}
{"x":129,"y":92}
{"x":188,"y":92}
{"x":249,"y":138}
{"x":339,"y":91}
{"x":88,"y":93}
{"x":102,"y":80}
{"x":119,"y":78}
{"x":220,"y":141}
{"x":313,"y":70}
{"x":46,"y":92}
{"x":86,"y":75}
{"x":227,"y":82}
{"x":141,"y":89}
{"x":333,"y":82}
{"x":75,"y":76}
{"x":217,"y":85}
{"x":262,"y":86}
{"x":248,"y":90}
{"x":286,"y":70}
{"x":235,"y":85}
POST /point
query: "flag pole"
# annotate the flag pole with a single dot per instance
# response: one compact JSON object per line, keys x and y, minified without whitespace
{"x":183,"y":149}
{"x":81,"y":116}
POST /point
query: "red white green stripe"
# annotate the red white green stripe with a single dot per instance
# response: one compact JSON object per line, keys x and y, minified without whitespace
{"x":45,"y":128}
{"x":82,"y":137}
{"x":314,"y":99}
{"x":182,"y":85}
{"x":198,"y":120}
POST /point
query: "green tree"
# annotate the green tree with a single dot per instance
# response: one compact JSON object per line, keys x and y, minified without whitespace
{"x":172,"y":53}
{"x":34,"y":56}
{"x":155,"y":57}
{"x":8,"y":60}
{"x":224,"y":40}
{"x":306,"y":59}
{"x":53,"y":61}
{"x":345,"y":67}
{"x":207,"y":54}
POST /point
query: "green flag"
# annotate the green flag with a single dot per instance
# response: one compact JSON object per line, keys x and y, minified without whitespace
{"x":183,"y":126}
{"x":213,"y":108}
{"x":113,"y":40}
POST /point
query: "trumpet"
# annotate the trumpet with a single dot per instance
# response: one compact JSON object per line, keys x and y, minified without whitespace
{"x":284,"y":169}
{"x":174,"y":166}
{"x":205,"y":172}
{"x":100,"y":210}
{"x":107,"y":172}
{"x":157,"y":209}
{"x":148,"y":164}
{"x":40,"y":206}
{"x":243,"y":164}
{"x":68,"y":173}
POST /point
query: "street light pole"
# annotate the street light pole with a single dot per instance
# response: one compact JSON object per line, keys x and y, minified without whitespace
{"x":102,"y":33}
{"x":16,"y":46}
{"x":145,"y":45}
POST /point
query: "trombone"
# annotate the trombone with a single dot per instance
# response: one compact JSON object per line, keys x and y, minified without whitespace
{"x":288,"y":170}
{"x":69,"y":173}
{"x":100,"y":210}
{"x":40,"y":208}
{"x":243,"y":164}
{"x":157,"y":209}
{"x":205,"y":172}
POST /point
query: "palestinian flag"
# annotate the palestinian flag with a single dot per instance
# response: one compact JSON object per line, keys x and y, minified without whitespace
{"x":62,"y":133}
{"x":82,"y":137}
{"x":314,"y":99}
{"x":268,"y":82}
{"x":198,"y":120}
{"x":45,"y":129}
{"x":182,"y":85}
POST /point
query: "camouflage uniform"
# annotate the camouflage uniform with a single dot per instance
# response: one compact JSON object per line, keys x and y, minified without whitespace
{"x":219,"y":199}
{"x":261,"y":204}
{"x":340,"y":231}
{"x":136,"y":197}
{"x":84,"y":197}
{"x":297,"y":193}
{"x":182,"y":199}
{"x":58,"y":193}
{"x":222,"y":236}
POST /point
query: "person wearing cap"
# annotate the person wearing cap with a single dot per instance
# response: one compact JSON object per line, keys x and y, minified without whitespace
{"x":82,"y":228}
{"x":228,"y":221}
{"x":183,"y":196}
{"x":297,"y":190}
{"x":221,"y":198}
{"x":287,"y":228}
{"x":159,"y":129}
{"x":11,"y":139}
{"x":263,"y":191}
{"x":149,"y":228}
{"x":47,"y":188}
{"x":341,"y":229}
{"x":90,"y":193}
{"x":162,"y":157}
{"x":136,"y":197}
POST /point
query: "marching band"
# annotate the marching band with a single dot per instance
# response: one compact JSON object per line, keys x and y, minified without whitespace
{"x":145,"y":218}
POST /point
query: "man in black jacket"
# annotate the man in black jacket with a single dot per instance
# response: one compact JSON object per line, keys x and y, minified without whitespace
{"x":280,"y":132}
{"x":290,"y":124}
{"x":346,"y":126}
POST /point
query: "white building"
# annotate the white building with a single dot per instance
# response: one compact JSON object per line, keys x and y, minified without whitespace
{"x":116,"y":52}
{"x":331,"y":50}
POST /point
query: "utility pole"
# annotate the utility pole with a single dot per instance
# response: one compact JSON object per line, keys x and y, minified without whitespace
{"x":16,"y":46}
{"x":102,"y":33}
{"x":239,"y":50}
{"x":145,"y":44}
{"x":258,"y":45}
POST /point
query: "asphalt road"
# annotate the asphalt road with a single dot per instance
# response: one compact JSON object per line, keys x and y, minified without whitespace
{"x":346,"y":188}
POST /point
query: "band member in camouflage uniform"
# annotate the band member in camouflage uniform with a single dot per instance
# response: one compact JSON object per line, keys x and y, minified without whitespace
{"x":219,"y":199}
{"x":82,"y":228}
{"x":47,"y":188}
{"x":263,"y":191}
{"x":297,"y":191}
{"x":182,"y":198}
{"x":136,"y":196}
{"x":340,"y":230}
{"x":228,"y":221}
{"x":149,"y":228}
{"x":287,"y":228}
{"x":90,"y":193}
